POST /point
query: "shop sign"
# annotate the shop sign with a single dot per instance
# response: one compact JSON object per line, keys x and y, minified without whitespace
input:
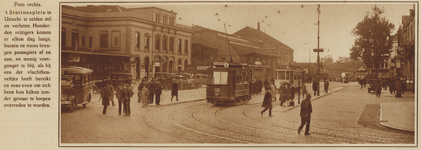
{"x":157,"y":64}
{"x":202,"y":67}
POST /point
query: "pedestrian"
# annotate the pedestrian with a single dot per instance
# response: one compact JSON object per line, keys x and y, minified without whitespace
{"x":292,"y":93}
{"x":127,"y":94}
{"x":143,"y":96}
{"x":361,"y":83}
{"x":151,"y":88}
{"x":106,"y":97}
{"x":111,"y":89}
{"x":391,"y":86}
{"x":282,"y":90}
{"x":266,"y":84}
{"x":305,"y":114}
{"x":272,"y":90}
{"x":139,"y":88}
{"x":158,"y":92}
{"x":287,"y":94}
{"x":403,"y":87}
{"x":259,"y":86}
{"x":364,"y":82}
{"x":304,"y":89}
{"x":174,"y":91}
{"x":315,"y":87}
{"x":267,"y":103}
{"x":398,"y":89}
{"x":120,"y":98}
{"x":326,"y":85}
{"x":378,"y":90}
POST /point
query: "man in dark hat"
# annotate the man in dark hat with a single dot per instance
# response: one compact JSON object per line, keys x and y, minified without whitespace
{"x":305,"y":114}
{"x":127,"y":94}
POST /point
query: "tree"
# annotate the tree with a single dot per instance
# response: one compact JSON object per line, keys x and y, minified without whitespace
{"x":347,"y":63}
{"x":373,"y":39}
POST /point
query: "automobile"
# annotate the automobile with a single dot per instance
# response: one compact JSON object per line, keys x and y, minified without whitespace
{"x":115,"y":78}
{"x":201,"y":79}
{"x":76,"y":86}
{"x":67,"y":97}
{"x":372,"y":84}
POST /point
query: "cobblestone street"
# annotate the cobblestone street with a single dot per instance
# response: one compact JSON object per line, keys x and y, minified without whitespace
{"x":334,"y":121}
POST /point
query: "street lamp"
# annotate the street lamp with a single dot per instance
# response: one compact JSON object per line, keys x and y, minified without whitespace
{"x":318,"y":50}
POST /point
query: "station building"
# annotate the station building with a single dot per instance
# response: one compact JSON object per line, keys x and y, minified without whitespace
{"x":248,"y":45}
{"x":115,"y":39}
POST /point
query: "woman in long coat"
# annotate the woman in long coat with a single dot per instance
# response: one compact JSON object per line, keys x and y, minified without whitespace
{"x":143,"y":96}
{"x":267,"y":103}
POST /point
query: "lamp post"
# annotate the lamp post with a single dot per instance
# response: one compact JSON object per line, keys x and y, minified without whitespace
{"x":318,"y":50}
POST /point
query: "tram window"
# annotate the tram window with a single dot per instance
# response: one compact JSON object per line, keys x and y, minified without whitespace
{"x":238,"y":77}
{"x":220,"y":77}
{"x":246,"y":77}
{"x":287,"y":75}
{"x":281,"y":75}
{"x":291,"y":75}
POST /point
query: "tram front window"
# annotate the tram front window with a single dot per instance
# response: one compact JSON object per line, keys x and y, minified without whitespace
{"x":220,"y":77}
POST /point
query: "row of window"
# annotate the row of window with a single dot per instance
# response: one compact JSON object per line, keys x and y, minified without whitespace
{"x":165,"y":19}
{"x":166,"y":43}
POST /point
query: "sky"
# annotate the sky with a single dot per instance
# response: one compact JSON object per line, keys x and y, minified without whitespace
{"x":292,"y":23}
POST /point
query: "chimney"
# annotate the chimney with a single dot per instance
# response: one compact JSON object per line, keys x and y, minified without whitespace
{"x":258,"y":26}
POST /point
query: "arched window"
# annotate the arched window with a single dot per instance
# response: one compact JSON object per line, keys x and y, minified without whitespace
{"x":157,"y":42}
{"x":147,"y":42}
{"x":164,"y":43}
{"x":171,"y":44}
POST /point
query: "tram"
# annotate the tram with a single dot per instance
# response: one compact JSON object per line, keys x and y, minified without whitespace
{"x":228,"y":83}
{"x":292,"y":75}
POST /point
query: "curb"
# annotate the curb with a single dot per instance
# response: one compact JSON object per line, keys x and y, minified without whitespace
{"x":382,"y":122}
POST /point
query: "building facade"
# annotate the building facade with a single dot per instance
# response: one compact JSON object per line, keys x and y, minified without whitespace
{"x":113,"y":39}
{"x":262,"y":52}
{"x":404,"y":61}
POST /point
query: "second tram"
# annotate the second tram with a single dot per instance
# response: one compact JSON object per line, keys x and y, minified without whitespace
{"x":289,"y":74}
{"x":228,"y":83}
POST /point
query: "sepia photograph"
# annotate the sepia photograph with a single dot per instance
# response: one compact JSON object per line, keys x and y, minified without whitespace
{"x":215,"y":74}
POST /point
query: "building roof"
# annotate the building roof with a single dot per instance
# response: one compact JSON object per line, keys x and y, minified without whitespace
{"x":258,"y":37}
{"x":101,"y":8}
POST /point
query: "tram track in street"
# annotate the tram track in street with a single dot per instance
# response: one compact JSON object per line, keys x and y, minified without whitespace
{"x":199,"y":122}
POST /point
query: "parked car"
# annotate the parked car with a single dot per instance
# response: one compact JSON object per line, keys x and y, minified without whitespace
{"x":201,"y":79}
{"x":372,"y":84}
{"x":115,"y":78}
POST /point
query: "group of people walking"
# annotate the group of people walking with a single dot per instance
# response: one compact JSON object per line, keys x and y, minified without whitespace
{"x":305,"y":109}
{"x":287,"y":92}
{"x":123,"y":94}
{"x":146,"y":93}
{"x":396,"y":86}
{"x":149,"y":90}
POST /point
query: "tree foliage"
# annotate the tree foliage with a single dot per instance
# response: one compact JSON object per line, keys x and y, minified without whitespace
{"x":347,"y":63}
{"x":373,"y":39}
